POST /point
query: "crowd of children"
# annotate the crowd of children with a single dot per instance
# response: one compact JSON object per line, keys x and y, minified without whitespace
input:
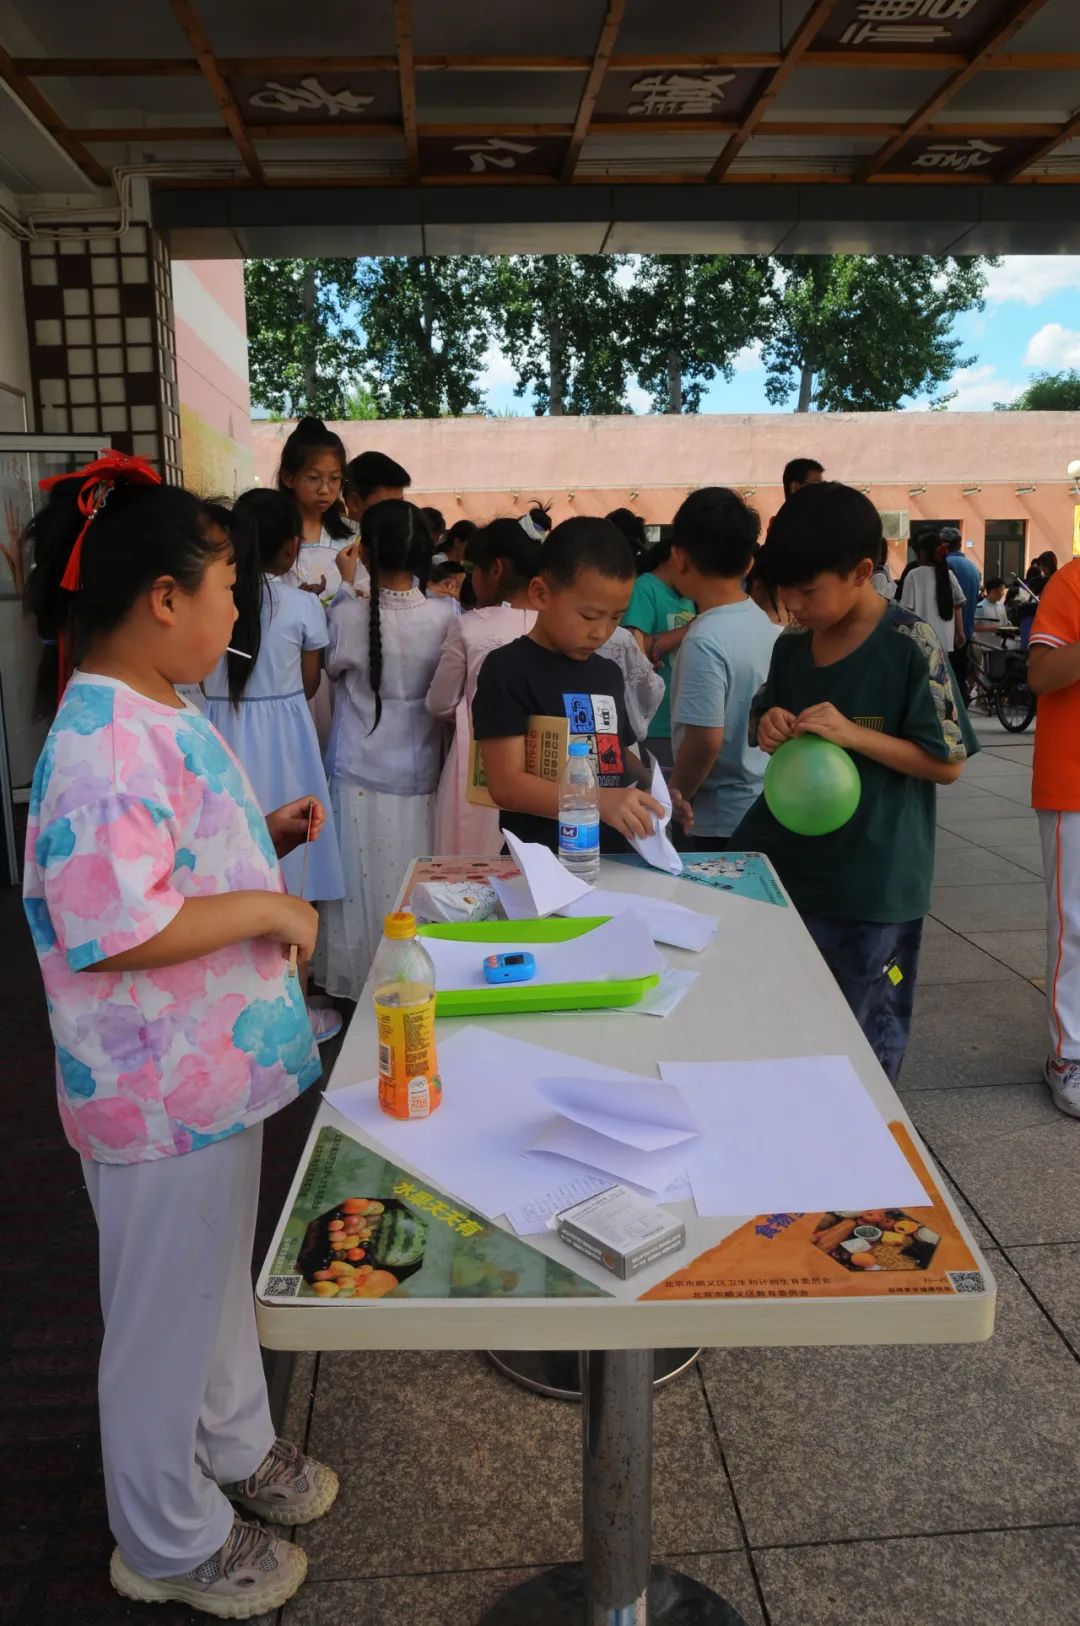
{"x":278,"y":706}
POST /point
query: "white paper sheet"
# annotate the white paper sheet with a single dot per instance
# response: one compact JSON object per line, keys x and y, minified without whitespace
{"x":475,"y":1146}
{"x":531,"y":1218}
{"x":790,"y":1137}
{"x":663,"y":999}
{"x":671,"y":923}
{"x":656,"y":849}
{"x":543,"y":885}
{"x":640,"y":1112}
{"x":651,"y":1170}
{"x":615,"y":952}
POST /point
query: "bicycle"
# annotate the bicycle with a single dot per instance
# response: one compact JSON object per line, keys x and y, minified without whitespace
{"x":999,"y":683}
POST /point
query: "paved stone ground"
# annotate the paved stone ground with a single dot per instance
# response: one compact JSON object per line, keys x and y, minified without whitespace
{"x":891,"y":1487}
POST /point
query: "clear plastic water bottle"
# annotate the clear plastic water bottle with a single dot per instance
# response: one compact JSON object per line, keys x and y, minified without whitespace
{"x":579,"y":815}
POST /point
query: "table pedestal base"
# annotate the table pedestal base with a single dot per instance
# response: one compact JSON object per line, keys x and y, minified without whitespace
{"x":556,"y":1372}
{"x":558,"y":1598}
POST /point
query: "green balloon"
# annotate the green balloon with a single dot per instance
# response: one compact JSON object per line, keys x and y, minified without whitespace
{"x":812,"y":787}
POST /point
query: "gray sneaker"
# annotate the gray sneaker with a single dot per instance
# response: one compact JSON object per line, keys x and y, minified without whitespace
{"x":286,"y":1487}
{"x":252,"y":1574}
{"x":1063,"y":1077}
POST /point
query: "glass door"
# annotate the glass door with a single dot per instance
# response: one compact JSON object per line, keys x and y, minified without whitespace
{"x":24,"y":460}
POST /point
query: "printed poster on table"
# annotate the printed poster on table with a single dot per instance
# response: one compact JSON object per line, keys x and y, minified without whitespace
{"x":876,"y":1253}
{"x":362,"y":1229}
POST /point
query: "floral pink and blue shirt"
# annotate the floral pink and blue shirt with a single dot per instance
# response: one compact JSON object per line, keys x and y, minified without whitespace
{"x":135,"y":807}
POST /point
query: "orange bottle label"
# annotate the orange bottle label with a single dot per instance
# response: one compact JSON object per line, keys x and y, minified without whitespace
{"x":409,"y":1082}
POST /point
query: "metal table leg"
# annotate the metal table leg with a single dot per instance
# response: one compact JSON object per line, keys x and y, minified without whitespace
{"x":616,"y":1585}
{"x":556,"y":1372}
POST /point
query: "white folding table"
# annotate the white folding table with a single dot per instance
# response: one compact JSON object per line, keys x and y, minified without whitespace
{"x":763,"y":992}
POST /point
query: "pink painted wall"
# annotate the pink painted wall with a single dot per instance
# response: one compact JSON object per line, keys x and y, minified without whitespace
{"x":212,"y":376}
{"x":477,"y":468}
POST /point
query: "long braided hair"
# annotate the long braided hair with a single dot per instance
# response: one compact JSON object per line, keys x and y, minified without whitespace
{"x":395,"y":538}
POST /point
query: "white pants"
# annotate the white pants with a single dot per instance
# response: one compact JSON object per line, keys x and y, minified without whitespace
{"x":181,"y":1389}
{"x":1060,"y":834}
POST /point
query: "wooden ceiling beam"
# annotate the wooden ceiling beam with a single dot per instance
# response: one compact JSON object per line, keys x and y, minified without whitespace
{"x":800,"y":43}
{"x":406,"y":66}
{"x":186,"y":14}
{"x":1065,"y":132}
{"x":605,"y":46}
{"x":47,"y":116}
{"x":1015,"y":16}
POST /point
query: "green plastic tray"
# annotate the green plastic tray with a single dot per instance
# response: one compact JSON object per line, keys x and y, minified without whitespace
{"x":527,"y":996}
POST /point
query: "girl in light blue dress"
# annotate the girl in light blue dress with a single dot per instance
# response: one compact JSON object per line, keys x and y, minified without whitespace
{"x":260,"y":705}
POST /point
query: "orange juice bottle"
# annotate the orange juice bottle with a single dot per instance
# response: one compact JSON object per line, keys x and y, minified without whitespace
{"x":404,"y":998}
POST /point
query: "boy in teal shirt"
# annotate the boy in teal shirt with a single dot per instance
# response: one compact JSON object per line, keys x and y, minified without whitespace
{"x":871,"y":677}
{"x":658,"y":616}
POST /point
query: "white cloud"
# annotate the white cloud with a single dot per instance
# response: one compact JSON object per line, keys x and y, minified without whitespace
{"x":977,"y":388}
{"x":638,"y":400}
{"x":499,"y":372}
{"x":1028,"y":279}
{"x":1053,"y":347}
{"x":749,"y":360}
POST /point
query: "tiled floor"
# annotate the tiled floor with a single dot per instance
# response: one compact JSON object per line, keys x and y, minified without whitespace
{"x":848,"y":1487}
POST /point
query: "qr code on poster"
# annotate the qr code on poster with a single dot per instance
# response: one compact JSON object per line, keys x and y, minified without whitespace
{"x":282,"y":1287}
{"x":966,"y":1281}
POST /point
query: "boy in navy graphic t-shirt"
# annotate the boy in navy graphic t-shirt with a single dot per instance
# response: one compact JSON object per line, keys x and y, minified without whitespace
{"x":580,"y":595}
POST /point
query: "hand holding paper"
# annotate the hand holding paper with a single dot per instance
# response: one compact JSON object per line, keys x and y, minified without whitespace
{"x":657,"y":849}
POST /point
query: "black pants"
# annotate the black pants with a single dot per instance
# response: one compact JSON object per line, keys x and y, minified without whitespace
{"x":961,"y":666}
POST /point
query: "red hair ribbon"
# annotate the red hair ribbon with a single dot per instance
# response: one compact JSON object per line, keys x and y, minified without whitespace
{"x":98,"y":479}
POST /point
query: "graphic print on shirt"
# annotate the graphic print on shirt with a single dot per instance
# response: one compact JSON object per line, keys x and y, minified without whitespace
{"x":595,"y":717}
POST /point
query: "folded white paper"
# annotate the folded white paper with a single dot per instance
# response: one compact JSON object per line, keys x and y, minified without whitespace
{"x":617,"y":951}
{"x":639,"y":1111}
{"x":543,"y":886}
{"x":656,"y":849}
{"x":650,"y":1170}
{"x":671,"y":923}
{"x":531,"y":1218}
{"x":790,"y":1136}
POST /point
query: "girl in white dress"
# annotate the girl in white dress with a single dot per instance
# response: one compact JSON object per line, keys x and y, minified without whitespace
{"x":385,"y":749}
{"x":260,"y":705}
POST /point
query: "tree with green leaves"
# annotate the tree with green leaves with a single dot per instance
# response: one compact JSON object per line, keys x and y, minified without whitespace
{"x":861,"y":333}
{"x":689,"y":317}
{"x":426,"y":326}
{"x":304,"y":353}
{"x":1047,"y":392}
{"x":561,"y":321}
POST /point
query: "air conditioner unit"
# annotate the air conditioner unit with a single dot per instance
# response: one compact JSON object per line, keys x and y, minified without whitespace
{"x":896,"y":524}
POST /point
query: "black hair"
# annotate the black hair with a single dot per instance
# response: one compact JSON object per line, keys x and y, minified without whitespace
{"x":796,"y":471}
{"x":826,"y":526}
{"x":931,"y":550}
{"x":538,"y":513}
{"x":461,"y":531}
{"x":435,"y":522}
{"x":504,"y":539}
{"x":445,"y":569}
{"x":632,"y":527}
{"x":586,"y":544}
{"x":310,"y":437}
{"x":217,"y":512}
{"x":763,"y":571}
{"x":395,"y":538}
{"x":993,"y":583}
{"x":374,"y":471}
{"x":141,"y":532}
{"x":951,"y":537}
{"x":654,"y":557}
{"x":1048,"y":560}
{"x":718,"y":531}
{"x":261,"y":523}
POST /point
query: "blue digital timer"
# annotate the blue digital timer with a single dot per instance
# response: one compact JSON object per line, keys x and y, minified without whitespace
{"x":519,"y":967}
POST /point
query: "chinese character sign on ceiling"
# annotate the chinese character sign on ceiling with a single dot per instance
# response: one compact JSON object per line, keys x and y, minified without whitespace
{"x":977,"y":157}
{"x":910,"y":25}
{"x":653,"y":94}
{"x":491,"y":154}
{"x":331,"y":98}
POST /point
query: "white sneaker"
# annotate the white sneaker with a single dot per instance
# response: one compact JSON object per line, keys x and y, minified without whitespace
{"x":325,"y":1023}
{"x":253,"y":1574}
{"x":1063,"y":1077}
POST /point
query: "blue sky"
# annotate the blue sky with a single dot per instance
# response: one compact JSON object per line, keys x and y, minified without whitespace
{"x":1031,"y":323}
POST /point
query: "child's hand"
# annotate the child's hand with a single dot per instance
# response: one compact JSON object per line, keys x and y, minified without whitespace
{"x":288,"y":825}
{"x":630,"y":811}
{"x":347,"y":561}
{"x":296,"y":922}
{"x":774,"y":727}
{"x":828,"y":723}
{"x":682,"y":810}
{"x":318,"y":588}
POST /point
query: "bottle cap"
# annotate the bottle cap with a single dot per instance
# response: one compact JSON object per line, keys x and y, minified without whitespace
{"x":400,"y":925}
{"x":579,"y":748}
